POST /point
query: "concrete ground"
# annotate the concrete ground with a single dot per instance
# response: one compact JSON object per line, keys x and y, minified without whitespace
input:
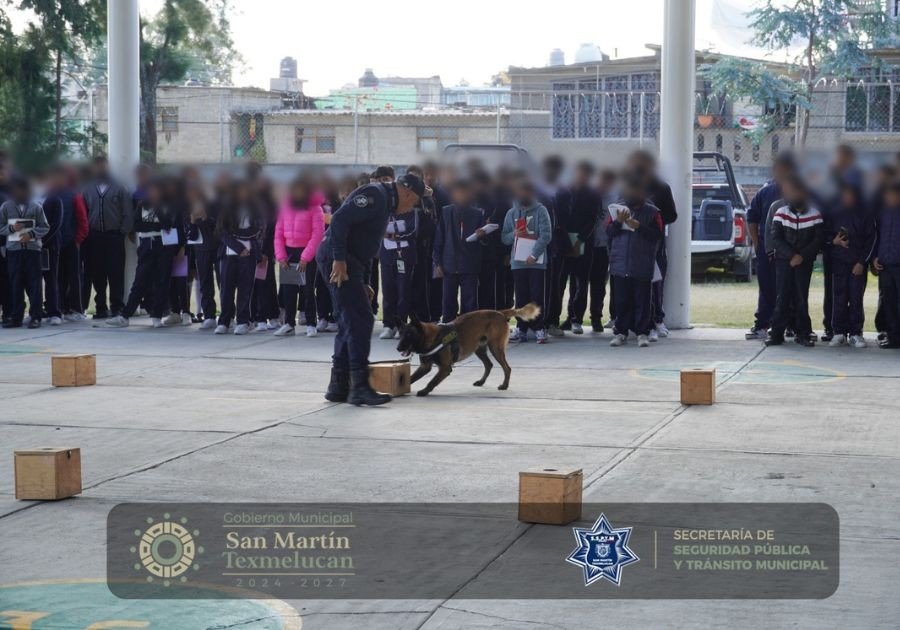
{"x":180,"y":415}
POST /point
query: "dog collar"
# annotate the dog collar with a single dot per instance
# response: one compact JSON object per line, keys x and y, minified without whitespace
{"x":448,"y":336}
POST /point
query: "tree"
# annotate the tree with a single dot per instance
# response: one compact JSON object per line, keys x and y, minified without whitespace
{"x":26,"y":97}
{"x":183,"y":35}
{"x":833,"y":37}
{"x":68,"y":28}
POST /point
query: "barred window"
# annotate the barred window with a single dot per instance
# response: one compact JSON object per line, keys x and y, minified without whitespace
{"x":168,"y":117}
{"x":432,"y":139}
{"x":625,"y":106}
{"x":872,"y":108}
{"x":314,"y":139}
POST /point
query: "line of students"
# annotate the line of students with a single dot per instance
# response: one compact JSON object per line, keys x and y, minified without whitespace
{"x":856,"y":233}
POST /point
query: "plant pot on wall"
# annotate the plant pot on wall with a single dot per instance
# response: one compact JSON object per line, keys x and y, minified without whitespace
{"x":705,"y":120}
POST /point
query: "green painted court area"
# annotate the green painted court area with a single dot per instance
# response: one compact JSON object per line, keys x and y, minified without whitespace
{"x":88,"y":605}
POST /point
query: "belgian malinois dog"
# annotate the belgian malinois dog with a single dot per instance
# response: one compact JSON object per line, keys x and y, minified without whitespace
{"x":446,"y":344}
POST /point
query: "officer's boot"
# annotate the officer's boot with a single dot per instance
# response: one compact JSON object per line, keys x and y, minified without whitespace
{"x":361,"y":393}
{"x":339,"y":386}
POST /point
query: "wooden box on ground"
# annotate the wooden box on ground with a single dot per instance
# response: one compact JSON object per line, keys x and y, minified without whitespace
{"x":390,"y":377}
{"x":48,"y":473}
{"x":74,"y":370}
{"x":550,"y":496}
{"x":698,"y":387}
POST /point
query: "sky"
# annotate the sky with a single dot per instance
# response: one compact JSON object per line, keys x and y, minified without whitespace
{"x":471,"y":40}
{"x":463,"y":39}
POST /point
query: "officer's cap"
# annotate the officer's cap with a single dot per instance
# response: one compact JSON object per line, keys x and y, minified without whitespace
{"x":413,"y":183}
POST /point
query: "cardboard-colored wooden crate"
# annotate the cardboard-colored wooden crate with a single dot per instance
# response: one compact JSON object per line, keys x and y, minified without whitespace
{"x":550,"y":496}
{"x":74,"y":370}
{"x":698,"y":387}
{"x":49,"y":473}
{"x":390,"y":377}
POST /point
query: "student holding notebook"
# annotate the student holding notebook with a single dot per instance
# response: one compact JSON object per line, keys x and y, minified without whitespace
{"x":527,"y":228}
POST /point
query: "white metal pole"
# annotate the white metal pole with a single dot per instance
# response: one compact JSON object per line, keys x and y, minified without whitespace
{"x":124,"y":87}
{"x":675,"y":150}
{"x":123,"y":67}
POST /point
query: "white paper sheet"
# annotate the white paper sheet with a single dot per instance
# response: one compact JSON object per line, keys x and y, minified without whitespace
{"x":523,"y":249}
{"x":614,"y":210}
{"x":169,"y":237}
{"x":488,"y":228}
{"x":231,"y":252}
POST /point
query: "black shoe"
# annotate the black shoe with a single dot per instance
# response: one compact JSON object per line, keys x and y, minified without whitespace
{"x":774,"y":340}
{"x":361,"y":393}
{"x":789,"y":333}
{"x":887,"y":344}
{"x":806,"y":342}
{"x":827,"y":336}
{"x":597,"y":327}
{"x":338,"y":387}
{"x":34,"y":323}
{"x":11,"y":324}
{"x":882,"y":336}
{"x":101,"y":315}
{"x":566,"y":325}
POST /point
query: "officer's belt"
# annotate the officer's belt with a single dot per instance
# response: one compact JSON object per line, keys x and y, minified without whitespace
{"x":447,"y":336}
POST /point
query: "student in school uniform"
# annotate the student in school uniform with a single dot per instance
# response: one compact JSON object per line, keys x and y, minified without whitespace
{"x":599,"y":275}
{"x":203,"y":242}
{"x":585,"y":208}
{"x":428,"y":300}
{"x":557,"y":198}
{"x":491,"y":290}
{"x":797,"y":234}
{"x":887,"y":264}
{"x":24,"y":224}
{"x":634,"y":236}
{"x":457,"y":261}
{"x":54,"y":210}
{"x":159,"y":232}
{"x":850,"y":237}
{"x":5,"y":304}
{"x":264,"y":306}
{"x":111,"y":217}
{"x":398,"y":260}
{"x":239,"y":228}
{"x":528,"y":219}
{"x":298,"y":233}
{"x":72,"y":233}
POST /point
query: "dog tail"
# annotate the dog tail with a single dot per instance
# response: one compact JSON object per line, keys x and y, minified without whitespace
{"x":527,"y":313}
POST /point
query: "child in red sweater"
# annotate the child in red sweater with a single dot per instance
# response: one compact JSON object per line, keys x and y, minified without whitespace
{"x":298,"y":232}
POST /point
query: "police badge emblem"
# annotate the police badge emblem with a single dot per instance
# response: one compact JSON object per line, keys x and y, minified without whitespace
{"x":602,"y":551}
{"x":361,"y":201}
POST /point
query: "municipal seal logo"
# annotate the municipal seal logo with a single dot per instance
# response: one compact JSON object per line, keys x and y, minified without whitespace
{"x":602,"y":551}
{"x":166,"y":549}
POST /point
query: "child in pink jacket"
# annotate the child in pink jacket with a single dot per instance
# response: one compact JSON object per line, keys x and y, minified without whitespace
{"x":298,"y":232}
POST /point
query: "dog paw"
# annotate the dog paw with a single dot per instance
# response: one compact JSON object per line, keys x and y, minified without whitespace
{"x":422,"y":392}
{"x":503,"y":387}
{"x":478,"y":383}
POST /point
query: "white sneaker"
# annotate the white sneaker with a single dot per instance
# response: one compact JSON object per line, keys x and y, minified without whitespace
{"x":654,"y":335}
{"x":74,"y":317}
{"x":208,"y":324}
{"x":516,"y":335}
{"x":285,"y":331}
{"x":643,"y":341}
{"x":26,"y":320}
{"x":321,"y":325}
{"x":156,"y":322}
{"x":617,"y":340}
{"x":260,"y":327}
{"x":541,"y":336}
{"x":56,"y":321}
{"x":858,"y":341}
{"x":556,"y":331}
{"x":837,"y":341}
{"x":577,"y":328}
{"x":117,"y":322}
{"x":610,"y":324}
{"x":274,"y":324}
{"x":387,"y":333}
{"x":331,"y":327}
{"x":186,"y":319}
{"x":172,"y":319}
{"x":243,"y":329}
{"x":662,"y":330}
{"x":311,"y":331}
{"x":221,"y":329}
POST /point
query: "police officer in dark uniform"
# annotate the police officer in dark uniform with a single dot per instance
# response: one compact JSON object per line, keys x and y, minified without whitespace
{"x":344,"y":259}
